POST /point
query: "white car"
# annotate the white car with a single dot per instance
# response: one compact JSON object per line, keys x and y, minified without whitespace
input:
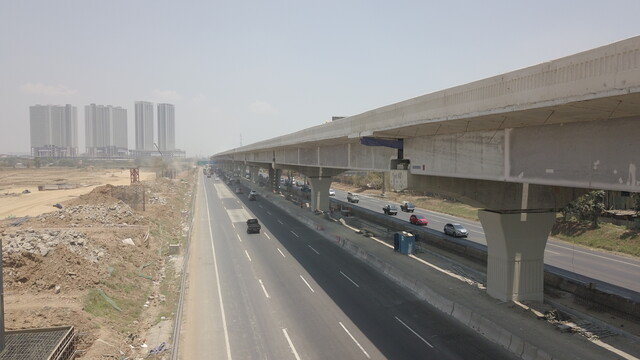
{"x":332,"y":192}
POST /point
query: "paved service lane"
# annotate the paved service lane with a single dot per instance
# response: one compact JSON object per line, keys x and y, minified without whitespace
{"x":287,"y":293}
{"x":609,"y":268}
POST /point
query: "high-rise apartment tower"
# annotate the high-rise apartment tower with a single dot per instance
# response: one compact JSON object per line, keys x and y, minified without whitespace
{"x":106,"y":130}
{"x":166,"y":127}
{"x":54,"y":130}
{"x":144,"y":125}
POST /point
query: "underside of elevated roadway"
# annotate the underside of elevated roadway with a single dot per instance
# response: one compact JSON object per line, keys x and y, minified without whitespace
{"x":521,"y":145}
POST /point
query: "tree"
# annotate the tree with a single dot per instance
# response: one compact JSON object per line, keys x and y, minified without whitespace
{"x":636,"y":202}
{"x":588,"y":207}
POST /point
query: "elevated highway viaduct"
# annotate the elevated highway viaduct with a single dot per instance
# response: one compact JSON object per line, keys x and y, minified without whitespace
{"x":520,"y":145}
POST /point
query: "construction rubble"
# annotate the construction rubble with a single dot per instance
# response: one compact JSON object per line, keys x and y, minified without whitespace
{"x":100,"y":264}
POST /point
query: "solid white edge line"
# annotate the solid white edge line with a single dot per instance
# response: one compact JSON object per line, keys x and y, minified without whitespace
{"x":414,"y":333}
{"x":594,"y":255}
{"x":281,"y":253}
{"x":309,"y":286}
{"x":314,"y":250}
{"x":348,"y":278}
{"x":246,"y":252}
{"x":447,"y":272}
{"x":215,"y":266}
{"x":354,"y":340}
{"x":293,"y":348}
{"x":264,"y":289}
{"x":294,"y":233}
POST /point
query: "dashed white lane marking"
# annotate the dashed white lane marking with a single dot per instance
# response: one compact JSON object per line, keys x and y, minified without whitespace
{"x":348,"y":278}
{"x":293,"y":348}
{"x":264,"y":289}
{"x":281,"y":253}
{"x":239,"y":238}
{"x":248,"y":255}
{"x":296,"y":235}
{"x":268,"y":212}
{"x":305,"y":281}
{"x":267,"y":235}
{"x":414,"y":333}
{"x":354,"y":340}
{"x":280,"y":222}
{"x":314,"y":250}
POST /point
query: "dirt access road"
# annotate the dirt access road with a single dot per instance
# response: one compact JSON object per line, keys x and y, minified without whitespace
{"x":14,"y":203}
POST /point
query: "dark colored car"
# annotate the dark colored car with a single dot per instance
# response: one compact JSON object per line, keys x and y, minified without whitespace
{"x":390,"y":209}
{"x":407,"y":206}
{"x":456,"y":230}
{"x":418,"y":220}
{"x":253,"y":226}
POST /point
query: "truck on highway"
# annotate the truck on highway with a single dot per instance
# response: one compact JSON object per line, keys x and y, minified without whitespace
{"x":253,"y":226}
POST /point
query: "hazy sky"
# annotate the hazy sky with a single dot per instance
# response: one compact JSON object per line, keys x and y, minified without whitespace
{"x":243,"y":71}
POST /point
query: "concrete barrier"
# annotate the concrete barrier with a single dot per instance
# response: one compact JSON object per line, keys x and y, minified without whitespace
{"x":603,"y":295}
{"x":477,"y":321}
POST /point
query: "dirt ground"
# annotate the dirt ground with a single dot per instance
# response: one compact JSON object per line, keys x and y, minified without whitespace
{"x":100,"y":262}
{"x":15,"y":203}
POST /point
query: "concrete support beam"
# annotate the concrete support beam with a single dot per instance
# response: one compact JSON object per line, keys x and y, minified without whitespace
{"x":515,"y":243}
{"x":320,"y":192}
{"x":488,"y":194}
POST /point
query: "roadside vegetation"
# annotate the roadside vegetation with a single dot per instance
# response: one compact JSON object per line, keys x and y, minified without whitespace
{"x":578,"y":223}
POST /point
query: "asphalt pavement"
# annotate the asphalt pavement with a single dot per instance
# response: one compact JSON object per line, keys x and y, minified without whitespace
{"x":602,"y":266}
{"x":289,"y":293}
{"x":516,"y":327}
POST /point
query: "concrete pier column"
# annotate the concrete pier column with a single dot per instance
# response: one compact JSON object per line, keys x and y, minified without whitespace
{"x":253,"y":173}
{"x":516,"y":242}
{"x":320,"y":192}
{"x":274,"y":179}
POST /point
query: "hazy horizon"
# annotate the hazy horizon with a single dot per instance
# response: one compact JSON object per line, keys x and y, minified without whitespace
{"x":242,"y":72}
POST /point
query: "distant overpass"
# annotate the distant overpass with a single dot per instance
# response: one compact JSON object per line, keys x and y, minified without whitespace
{"x":520,"y":145}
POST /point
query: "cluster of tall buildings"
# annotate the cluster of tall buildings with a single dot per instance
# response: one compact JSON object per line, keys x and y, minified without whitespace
{"x":54,"y":130}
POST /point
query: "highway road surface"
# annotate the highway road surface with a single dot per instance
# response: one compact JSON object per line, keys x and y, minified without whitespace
{"x":287,"y":293}
{"x":606,"y":267}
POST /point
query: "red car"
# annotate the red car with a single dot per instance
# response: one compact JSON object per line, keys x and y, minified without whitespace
{"x":418,"y":220}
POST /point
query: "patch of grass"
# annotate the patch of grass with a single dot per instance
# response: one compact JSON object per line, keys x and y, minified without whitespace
{"x":128,"y":291}
{"x":456,"y":209}
{"x":96,"y":305}
{"x":606,"y":236}
{"x":168,"y":288}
